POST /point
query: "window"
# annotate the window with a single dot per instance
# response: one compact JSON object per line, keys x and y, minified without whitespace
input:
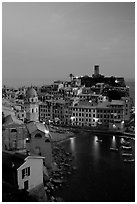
{"x":25,"y":172}
{"x":13,"y":130}
{"x":32,"y":110}
{"x":38,"y":135}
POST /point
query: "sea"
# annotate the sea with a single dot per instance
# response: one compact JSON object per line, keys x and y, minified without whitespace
{"x":101,"y":174}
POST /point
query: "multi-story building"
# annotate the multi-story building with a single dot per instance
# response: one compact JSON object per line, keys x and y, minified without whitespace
{"x":83,"y":114}
{"x":56,"y":110}
{"x":104,"y":113}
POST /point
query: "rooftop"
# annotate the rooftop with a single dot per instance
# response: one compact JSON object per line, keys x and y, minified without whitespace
{"x":33,"y":126}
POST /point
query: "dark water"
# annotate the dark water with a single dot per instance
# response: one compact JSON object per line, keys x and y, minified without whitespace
{"x":101,"y":174}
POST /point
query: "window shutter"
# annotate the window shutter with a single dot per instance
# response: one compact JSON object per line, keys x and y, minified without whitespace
{"x":28,"y":171}
{"x":23,"y":173}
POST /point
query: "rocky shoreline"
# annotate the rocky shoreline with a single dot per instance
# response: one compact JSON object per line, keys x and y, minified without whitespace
{"x":59,"y":175}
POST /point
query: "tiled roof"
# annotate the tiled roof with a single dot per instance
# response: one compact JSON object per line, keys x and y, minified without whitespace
{"x":11,"y":119}
{"x":116,"y":102}
{"x":33,"y":126}
{"x":85,"y":104}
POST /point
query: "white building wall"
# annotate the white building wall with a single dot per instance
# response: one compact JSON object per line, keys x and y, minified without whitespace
{"x":36,"y":173}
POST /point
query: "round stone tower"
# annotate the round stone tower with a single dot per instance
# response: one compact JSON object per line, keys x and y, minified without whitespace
{"x":31,"y":105}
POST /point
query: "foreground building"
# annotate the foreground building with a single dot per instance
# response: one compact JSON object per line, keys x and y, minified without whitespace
{"x":39,"y":141}
{"x":24,"y":172}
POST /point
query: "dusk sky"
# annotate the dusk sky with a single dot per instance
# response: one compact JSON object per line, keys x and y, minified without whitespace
{"x":47,"y":41}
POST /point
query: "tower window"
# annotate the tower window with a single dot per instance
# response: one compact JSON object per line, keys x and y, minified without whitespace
{"x":38,"y":135}
{"x":13,"y":130}
{"x":32,"y":110}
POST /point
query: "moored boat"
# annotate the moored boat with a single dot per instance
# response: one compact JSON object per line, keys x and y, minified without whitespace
{"x":113,"y":149}
{"x":129,"y":160}
{"x":127,"y":148}
{"x":126,"y":154}
{"x":98,"y":140}
{"x":123,"y":142}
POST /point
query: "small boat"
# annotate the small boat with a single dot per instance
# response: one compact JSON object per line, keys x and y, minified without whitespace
{"x":126,"y":154}
{"x":98,"y":140}
{"x":127,"y":148}
{"x":123,"y":142}
{"x":129,"y":160}
{"x":113,"y":149}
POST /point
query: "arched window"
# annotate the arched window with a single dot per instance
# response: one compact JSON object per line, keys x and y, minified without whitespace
{"x":32,"y":110}
{"x":13,"y":130}
{"x":47,"y":140}
{"x":38,"y":135}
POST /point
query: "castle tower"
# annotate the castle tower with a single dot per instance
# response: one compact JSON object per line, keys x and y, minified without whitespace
{"x":31,"y":105}
{"x":96,"y":70}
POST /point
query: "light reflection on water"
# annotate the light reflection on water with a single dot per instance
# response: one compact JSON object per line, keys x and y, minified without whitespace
{"x":72,"y":144}
{"x":96,"y":148}
{"x":101,"y":174}
{"x":113,"y":144}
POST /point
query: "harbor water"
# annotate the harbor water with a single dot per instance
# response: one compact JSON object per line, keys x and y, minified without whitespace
{"x":101,"y":174}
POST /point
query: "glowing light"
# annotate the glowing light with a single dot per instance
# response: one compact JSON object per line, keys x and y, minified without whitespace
{"x":114,"y":138}
{"x":96,"y":119}
{"x":95,"y":138}
{"x":47,"y":131}
{"x":114,"y":126}
{"x":72,"y":118}
{"x":116,"y":81}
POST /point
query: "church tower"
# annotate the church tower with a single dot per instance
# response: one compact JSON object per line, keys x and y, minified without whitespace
{"x":31,"y":105}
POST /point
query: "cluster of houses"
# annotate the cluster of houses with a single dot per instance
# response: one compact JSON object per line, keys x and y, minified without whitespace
{"x":27,"y":147}
{"x":94,"y":102}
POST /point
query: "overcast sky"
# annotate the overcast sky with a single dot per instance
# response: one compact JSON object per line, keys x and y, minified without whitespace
{"x":44,"y":41}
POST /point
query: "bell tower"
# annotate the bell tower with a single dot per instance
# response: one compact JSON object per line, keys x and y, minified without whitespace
{"x":31,"y":105}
